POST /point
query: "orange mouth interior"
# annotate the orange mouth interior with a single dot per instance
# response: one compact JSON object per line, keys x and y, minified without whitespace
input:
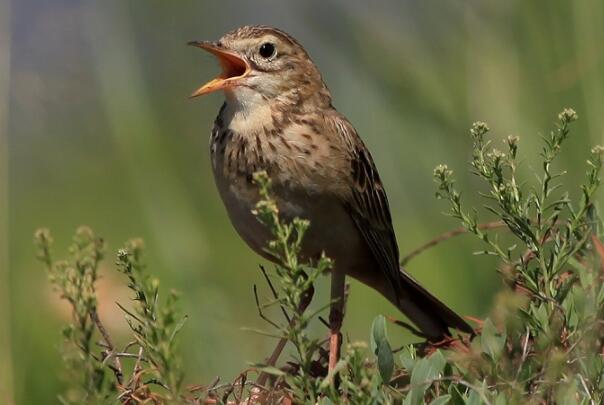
{"x":233,"y":68}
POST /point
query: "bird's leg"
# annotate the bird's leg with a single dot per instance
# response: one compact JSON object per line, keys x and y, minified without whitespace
{"x":272,"y":360}
{"x":336,"y":315}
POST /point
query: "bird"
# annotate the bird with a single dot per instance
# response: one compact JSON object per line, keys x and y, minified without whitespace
{"x":278,"y":117}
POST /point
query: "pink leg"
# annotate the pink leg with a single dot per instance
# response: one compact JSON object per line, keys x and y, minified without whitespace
{"x":336,"y":314}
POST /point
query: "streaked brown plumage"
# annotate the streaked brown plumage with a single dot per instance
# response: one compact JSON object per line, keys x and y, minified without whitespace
{"x":278,"y":117}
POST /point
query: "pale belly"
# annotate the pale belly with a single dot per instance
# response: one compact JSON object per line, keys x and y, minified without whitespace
{"x":302,"y":186}
{"x":331,"y":229}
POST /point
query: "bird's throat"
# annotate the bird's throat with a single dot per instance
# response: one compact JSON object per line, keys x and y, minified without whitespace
{"x":246,"y":113}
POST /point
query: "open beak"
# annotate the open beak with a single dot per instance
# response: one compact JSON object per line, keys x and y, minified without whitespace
{"x":233,"y":68}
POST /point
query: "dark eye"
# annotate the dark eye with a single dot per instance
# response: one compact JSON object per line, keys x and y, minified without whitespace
{"x":266,"y":50}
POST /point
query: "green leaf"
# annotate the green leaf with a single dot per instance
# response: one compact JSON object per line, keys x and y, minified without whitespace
{"x":566,"y":394}
{"x":385,"y":360}
{"x":425,"y":371}
{"x":438,"y":363}
{"x":456,"y":397}
{"x":541,"y":315}
{"x":378,"y":332}
{"x":407,"y":358}
{"x":584,"y":273}
{"x":381,"y":348}
{"x":491,"y":341}
{"x":178,"y":327}
{"x":325,"y":401}
{"x":271,"y":370}
{"x":600,"y":297}
{"x":442,"y":400}
{"x":501,"y":399}
{"x":473,"y":398}
{"x":68,"y":331}
{"x":572,"y":318}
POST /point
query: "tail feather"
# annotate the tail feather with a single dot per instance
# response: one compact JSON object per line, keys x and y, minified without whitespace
{"x":430,"y":315}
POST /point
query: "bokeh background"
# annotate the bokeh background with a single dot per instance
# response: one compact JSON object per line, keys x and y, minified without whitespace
{"x":97,"y":129}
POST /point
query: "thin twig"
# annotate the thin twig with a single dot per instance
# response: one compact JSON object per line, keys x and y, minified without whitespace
{"x":448,"y":235}
{"x":129,"y":313}
{"x":591,"y":400}
{"x":524,"y":352}
{"x":242,"y":380}
{"x":274,"y":291}
{"x":129,"y":345}
{"x":130,"y":356}
{"x":124,"y":394}
{"x":306,"y":299}
{"x":110,"y":348}
{"x":137,"y":369}
{"x":599,"y":249}
{"x":214,"y":383}
{"x":259,"y":307}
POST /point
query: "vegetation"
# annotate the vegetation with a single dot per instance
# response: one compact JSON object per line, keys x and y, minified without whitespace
{"x":97,"y":376}
{"x":543,"y":342}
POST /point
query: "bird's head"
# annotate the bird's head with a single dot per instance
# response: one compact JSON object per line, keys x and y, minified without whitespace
{"x":261,"y":63}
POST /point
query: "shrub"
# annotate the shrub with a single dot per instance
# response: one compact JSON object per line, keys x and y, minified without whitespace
{"x":543,"y":342}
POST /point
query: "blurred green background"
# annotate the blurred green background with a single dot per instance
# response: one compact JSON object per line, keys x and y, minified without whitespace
{"x":97,"y":129}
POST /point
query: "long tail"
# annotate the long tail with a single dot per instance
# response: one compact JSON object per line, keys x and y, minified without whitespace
{"x":426,"y":311}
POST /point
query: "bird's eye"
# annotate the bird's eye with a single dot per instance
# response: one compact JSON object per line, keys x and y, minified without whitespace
{"x":266,"y":50}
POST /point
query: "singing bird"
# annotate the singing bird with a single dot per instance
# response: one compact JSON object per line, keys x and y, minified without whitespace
{"x":278,"y":117}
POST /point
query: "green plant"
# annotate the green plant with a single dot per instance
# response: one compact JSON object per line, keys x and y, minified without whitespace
{"x":97,"y":375}
{"x":154,"y":325}
{"x":543,"y":342}
{"x":294,"y":291}
{"x":75,"y":279}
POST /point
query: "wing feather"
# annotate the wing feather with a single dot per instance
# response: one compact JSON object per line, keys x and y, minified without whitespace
{"x":368,"y":206}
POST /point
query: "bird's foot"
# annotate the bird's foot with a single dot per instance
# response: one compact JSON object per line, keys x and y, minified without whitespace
{"x":457,"y":343}
{"x":335,"y":343}
{"x":335,"y":337}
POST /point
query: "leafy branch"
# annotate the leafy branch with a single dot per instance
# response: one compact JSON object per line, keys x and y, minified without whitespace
{"x":543,"y":342}
{"x":154,"y":326}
